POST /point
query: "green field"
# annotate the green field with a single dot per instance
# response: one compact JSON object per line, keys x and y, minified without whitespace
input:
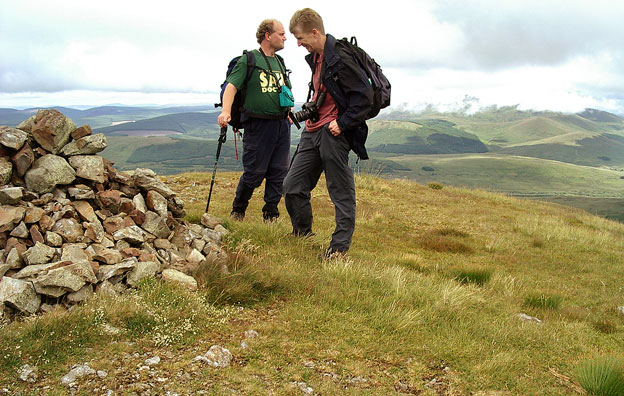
{"x":512,"y":174}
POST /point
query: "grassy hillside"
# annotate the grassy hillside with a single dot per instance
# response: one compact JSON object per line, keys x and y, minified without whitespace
{"x":427,"y":304}
{"x":434,"y":136}
{"x":170,"y":155}
{"x":512,"y":174}
{"x":190,"y":124}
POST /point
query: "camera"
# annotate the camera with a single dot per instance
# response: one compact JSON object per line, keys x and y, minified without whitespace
{"x":309,"y":110}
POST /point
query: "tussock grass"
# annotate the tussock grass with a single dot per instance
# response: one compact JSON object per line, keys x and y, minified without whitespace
{"x":543,"y":301}
{"x":602,"y":376}
{"x":477,"y":276}
{"x":443,"y":244}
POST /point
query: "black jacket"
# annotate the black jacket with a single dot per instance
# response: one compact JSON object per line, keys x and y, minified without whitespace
{"x":351,"y":91}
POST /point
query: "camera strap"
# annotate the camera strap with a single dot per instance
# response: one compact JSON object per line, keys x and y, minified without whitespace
{"x":271,"y":70}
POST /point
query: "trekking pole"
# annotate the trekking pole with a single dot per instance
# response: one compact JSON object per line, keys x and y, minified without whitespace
{"x":222,"y":138}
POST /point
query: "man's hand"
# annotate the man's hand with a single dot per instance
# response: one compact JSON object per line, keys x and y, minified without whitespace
{"x":224,"y":118}
{"x":334,"y":128}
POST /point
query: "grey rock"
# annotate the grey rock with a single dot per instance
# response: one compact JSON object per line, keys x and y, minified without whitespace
{"x":152,"y":361}
{"x":72,"y":277}
{"x":251,"y":334}
{"x":90,"y":167}
{"x":19,"y":294}
{"x":212,"y":236}
{"x":142,"y":270}
{"x":176,"y":206}
{"x":4,"y":268}
{"x":27,"y":124}
{"x":50,"y":291}
{"x":101,"y":374}
{"x":81,"y":295}
{"x":198,"y":244}
{"x":108,"y":271}
{"x":139,"y":203}
{"x":217,"y":356}
{"x":526,"y":318}
{"x":21,"y":231}
{"x":86,"y":145}
{"x":6,"y":169}
{"x":53,"y":239}
{"x":105,"y":288}
{"x":175,"y":276}
{"x":108,"y":256}
{"x":38,"y":254}
{"x":13,"y":259}
{"x":156,"y":225}
{"x":621,"y":309}
{"x":210,"y":221}
{"x":157,"y":203}
{"x":32,"y":271}
{"x":81,"y":192}
{"x":195,"y":257}
{"x":74,"y":253}
{"x":69,"y":229}
{"x":11,"y":195}
{"x":12,"y":138}
{"x":47,"y":172}
{"x":132,"y":234}
{"x":76,"y":373}
{"x":28,"y":373}
{"x":147,"y":180}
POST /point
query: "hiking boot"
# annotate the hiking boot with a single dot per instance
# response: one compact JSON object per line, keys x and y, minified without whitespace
{"x":270,"y":219}
{"x":238,"y":216}
{"x":330,"y":254}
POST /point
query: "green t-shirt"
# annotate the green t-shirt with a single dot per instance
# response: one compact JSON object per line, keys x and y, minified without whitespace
{"x":262,"y":89}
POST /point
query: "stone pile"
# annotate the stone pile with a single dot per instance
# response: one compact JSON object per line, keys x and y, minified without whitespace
{"x":72,"y":225}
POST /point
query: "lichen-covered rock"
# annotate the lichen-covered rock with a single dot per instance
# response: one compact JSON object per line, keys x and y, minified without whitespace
{"x":12,"y":138}
{"x":90,"y":167}
{"x":6,"y":169}
{"x":39,"y":254}
{"x":87,"y":145}
{"x":47,"y":172}
{"x":175,"y":276}
{"x":19,"y":294}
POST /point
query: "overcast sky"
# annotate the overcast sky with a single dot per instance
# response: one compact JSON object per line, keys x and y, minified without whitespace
{"x":538,"y":54}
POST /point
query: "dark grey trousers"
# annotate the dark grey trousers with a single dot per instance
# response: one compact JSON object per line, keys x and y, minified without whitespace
{"x":321,"y":152}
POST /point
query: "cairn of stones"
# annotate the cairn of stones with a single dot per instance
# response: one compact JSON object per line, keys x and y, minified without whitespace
{"x":71,"y":225}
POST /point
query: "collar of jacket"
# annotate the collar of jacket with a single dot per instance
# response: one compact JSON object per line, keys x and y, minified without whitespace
{"x":330,"y":56}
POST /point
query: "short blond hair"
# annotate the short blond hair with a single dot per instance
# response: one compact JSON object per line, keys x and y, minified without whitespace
{"x":306,"y":20}
{"x":266,"y":26}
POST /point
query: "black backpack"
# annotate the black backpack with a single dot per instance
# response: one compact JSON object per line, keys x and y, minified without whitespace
{"x":239,"y":99}
{"x":381,"y":85}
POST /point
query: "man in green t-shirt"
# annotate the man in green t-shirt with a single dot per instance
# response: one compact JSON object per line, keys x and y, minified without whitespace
{"x":266,"y":142}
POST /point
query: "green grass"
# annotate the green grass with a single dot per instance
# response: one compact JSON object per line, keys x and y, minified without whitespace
{"x":390,"y":318}
{"x":602,"y":376}
{"x":525,"y":176}
{"x":543,"y":301}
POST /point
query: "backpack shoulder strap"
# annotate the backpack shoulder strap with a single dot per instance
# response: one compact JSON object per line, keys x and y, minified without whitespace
{"x":251,"y":64}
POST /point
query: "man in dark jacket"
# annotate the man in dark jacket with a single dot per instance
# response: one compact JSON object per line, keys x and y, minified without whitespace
{"x":325,"y":143}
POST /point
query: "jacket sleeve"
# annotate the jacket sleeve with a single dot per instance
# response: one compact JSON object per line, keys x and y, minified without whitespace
{"x":357,"y":90}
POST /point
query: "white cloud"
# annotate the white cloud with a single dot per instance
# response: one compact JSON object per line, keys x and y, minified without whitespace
{"x":553,"y":55}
